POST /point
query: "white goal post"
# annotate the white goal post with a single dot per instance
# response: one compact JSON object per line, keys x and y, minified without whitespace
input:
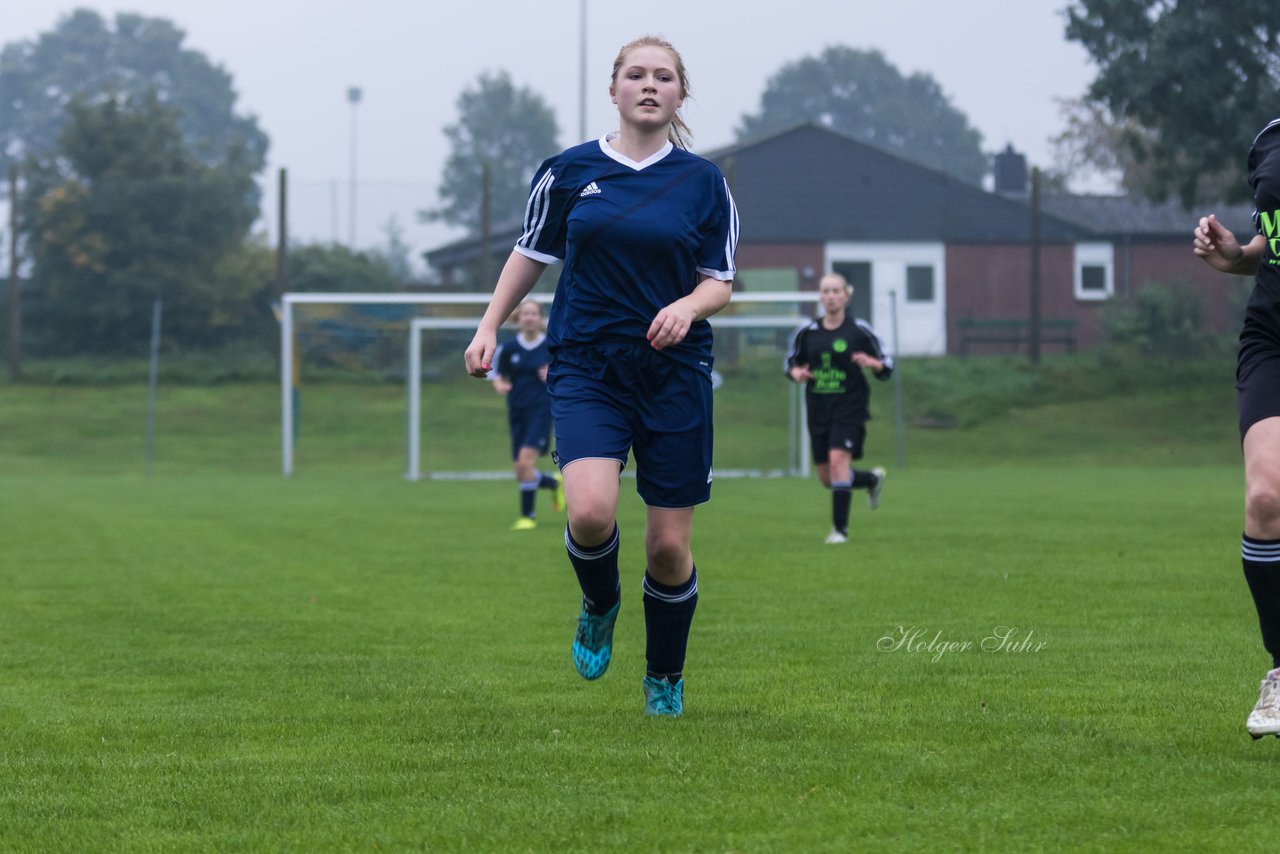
{"x":797,"y":428}
{"x":799,"y":461}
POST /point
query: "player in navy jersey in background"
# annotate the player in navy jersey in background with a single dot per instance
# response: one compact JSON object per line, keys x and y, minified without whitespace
{"x":1258,"y":394}
{"x":646,"y":232}
{"x":520,"y":373}
{"x":828,"y":356}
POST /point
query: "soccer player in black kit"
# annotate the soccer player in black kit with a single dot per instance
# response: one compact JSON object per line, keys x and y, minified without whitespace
{"x":1258,"y":394}
{"x":828,"y":356}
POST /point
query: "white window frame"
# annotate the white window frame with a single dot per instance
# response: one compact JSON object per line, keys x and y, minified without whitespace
{"x":1094,"y":255}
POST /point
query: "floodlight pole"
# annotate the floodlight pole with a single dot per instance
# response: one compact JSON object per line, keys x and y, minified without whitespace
{"x":582,"y":73}
{"x":282,"y":237}
{"x":353,"y":97}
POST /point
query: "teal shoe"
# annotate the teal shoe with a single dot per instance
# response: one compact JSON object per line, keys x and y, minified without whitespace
{"x":593,"y":642}
{"x":662,"y":699}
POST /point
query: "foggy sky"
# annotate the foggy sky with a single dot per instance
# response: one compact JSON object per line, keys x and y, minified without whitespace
{"x":1002,"y":63}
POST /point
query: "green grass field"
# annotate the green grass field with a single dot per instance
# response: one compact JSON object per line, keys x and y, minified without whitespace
{"x":215,"y":658}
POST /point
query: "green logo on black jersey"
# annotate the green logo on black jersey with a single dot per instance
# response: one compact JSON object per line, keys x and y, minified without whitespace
{"x":1271,"y":228}
{"x":839,"y":345}
{"x":828,"y":379}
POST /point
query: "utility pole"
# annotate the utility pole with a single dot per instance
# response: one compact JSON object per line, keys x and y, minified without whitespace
{"x":1033,"y":327}
{"x":485,"y":229}
{"x":582,"y":73}
{"x":15,"y":296}
{"x":282,"y":238}
{"x":353,"y":97}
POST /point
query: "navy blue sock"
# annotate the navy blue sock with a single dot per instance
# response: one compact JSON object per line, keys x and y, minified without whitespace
{"x":1261,"y":559}
{"x":546,"y":481}
{"x":528,"y":492}
{"x":840,"y":496}
{"x":863,"y":479}
{"x":668,"y":615}
{"x":597,"y":570}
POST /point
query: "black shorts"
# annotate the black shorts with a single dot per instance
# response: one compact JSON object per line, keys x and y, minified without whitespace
{"x":841,"y":436}
{"x":1257,"y":383}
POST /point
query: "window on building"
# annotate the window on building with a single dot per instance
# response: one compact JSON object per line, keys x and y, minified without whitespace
{"x":919,"y":284}
{"x":1094,"y":276}
{"x":1093,"y":279}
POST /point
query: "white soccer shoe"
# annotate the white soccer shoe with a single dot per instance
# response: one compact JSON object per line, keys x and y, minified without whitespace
{"x":1265,"y":717}
{"x":873,"y":494}
{"x":835,"y":538}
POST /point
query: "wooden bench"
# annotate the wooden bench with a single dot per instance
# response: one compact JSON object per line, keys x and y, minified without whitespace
{"x":1015,"y":331}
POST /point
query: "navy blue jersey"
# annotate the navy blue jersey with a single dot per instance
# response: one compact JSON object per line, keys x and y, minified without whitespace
{"x":633,"y":238}
{"x":1262,"y":319}
{"x":519,"y":361}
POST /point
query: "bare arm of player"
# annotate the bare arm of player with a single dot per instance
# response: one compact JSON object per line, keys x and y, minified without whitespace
{"x":672,"y":323}
{"x":518,"y":277}
{"x":800,"y":373}
{"x":1219,"y":248}
{"x":866,"y":360}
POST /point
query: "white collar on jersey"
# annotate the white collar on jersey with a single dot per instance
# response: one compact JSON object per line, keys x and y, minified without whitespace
{"x":530,"y":345}
{"x":627,"y":161}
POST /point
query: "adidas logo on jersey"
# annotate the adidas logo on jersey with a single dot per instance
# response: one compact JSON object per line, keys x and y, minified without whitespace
{"x":590,"y":190}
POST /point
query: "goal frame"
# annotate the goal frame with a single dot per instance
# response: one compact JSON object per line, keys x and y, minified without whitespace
{"x":799,"y":463}
{"x":798,"y":455}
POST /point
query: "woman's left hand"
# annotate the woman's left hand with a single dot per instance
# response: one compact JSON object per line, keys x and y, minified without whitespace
{"x":865,"y":360}
{"x":671,"y":325}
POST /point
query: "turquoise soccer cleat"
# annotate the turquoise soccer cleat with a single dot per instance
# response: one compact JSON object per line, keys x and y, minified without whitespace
{"x":593,"y":642}
{"x":662,"y":699}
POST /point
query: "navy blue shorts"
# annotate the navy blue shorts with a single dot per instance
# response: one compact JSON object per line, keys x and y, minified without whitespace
{"x":613,"y":398}
{"x":530,"y":428}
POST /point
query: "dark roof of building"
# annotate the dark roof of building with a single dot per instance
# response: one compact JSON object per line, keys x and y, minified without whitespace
{"x":466,"y":249}
{"x":811,"y":184}
{"x":1113,"y":217}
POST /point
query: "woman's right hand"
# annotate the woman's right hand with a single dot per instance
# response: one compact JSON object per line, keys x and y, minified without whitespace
{"x":479,"y":354}
{"x":1215,"y":243}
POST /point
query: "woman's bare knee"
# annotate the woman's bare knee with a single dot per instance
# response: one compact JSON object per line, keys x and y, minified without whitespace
{"x":1262,"y":506}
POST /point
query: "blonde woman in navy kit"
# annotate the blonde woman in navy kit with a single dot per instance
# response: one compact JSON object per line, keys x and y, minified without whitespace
{"x":646,"y":232}
{"x":521,"y":375}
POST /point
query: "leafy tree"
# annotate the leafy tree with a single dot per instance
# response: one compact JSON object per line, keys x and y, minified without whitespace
{"x":124,"y":213}
{"x":334,"y":268}
{"x":1188,"y":83}
{"x":396,"y":252}
{"x":861,"y":94}
{"x":83,"y":57}
{"x":512,"y":131}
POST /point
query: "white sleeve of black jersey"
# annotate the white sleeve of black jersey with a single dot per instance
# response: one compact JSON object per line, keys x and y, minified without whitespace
{"x":880,"y":353}
{"x":793,"y":350}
